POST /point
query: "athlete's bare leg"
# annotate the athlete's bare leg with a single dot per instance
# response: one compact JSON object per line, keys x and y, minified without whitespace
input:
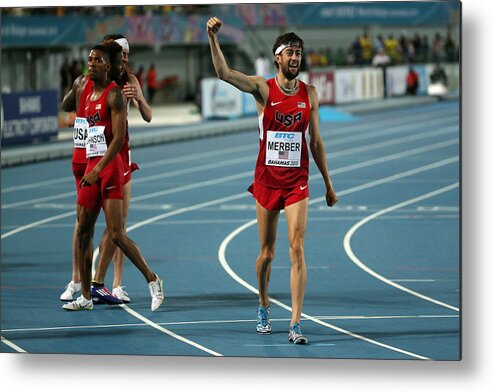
{"x":84,"y":247}
{"x":108,"y":250}
{"x":297,"y":217}
{"x":119,"y":257}
{"x":75,"y":268}
{"x":267,"y":229}
{"x":113,"y":210}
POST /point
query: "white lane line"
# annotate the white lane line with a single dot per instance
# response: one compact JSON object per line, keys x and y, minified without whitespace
{"x":168,"y":332}
{"x":238,"y":321}
{"x":190,"y":170}
{"x":37,"y":223}
{"x":414,"y":280}
{"x":12,"y":345}
{"x":233,"y":234}
{"x":342,"y":129}
{"x":237,"y":196}
{"x":364,"y":267}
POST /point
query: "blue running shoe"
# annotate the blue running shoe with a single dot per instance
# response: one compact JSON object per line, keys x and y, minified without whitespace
{"x":263,"y":320}
{"x":101,"y":295}
{"x":295,"y":336}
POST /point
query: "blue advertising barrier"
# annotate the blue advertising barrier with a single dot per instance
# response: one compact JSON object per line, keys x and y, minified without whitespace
{"x":29,"y":116}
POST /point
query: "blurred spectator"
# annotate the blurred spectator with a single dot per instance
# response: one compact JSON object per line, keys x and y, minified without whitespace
{"x":64,"y":78}
{"x":340,"y":57}
{"x":356,"y":51}
{"x":366,"y":49}
{"x":438,"y":75}
{"x":417,"y":46}
{"x":437,"y":48}
{"x":75,"y":71}
{"x":140,"y":75}
{"x":412,"y":82}
{"x":409,"y":51}
{"x":393,"y":49}
{"x":425,"y":49}
{"x":262,"y":65}
{"x":449,"y":48}
{"x":350,"y":57}
{"x":378,"y":43}
{"x":323,"y":60}
{"x":151,"y":79}
{"x":380,"y":59}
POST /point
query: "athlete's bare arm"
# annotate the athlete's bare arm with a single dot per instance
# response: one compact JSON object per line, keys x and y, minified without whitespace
{"x":118,"y":105}
{"x":71,"y":99}
{"x":317,"y":147}
{"x":133,"y":91}
{"x":255,"y":85}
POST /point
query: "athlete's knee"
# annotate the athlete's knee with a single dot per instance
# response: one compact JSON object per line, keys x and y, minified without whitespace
{"x":296,"y":252}
{"x":266,"y":256}
{"x":116,"y":235}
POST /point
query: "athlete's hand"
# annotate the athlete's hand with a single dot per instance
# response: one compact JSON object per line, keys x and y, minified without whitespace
{"x":89,"y":179}
{"x":213,"y":26}
{"x":331,"y":197}
{"x":131,"y":91}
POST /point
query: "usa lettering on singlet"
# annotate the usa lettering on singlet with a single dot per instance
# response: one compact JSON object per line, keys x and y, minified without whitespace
{"x":80,"y":132}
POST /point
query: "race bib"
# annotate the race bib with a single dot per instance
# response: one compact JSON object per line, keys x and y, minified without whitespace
{"x":283,"y":149}
{"x":96,"y":142}
{"x":80,"y":132}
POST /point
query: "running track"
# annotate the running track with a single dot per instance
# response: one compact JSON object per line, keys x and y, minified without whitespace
{"x":383,"y":265}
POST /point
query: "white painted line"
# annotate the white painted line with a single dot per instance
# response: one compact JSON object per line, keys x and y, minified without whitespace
{"x":168,"y":332}
{"x":12,"y":345}
{"x":364,"y":267}
{"x":413,"y":280}
{"x":37,"y":223}
{"x":223,"y":163}
{"x":233,"y":234}
{"x":214,"y":322}
{"x":342,"y":129}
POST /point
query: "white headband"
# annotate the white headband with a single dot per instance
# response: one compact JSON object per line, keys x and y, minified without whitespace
{"x":123,"y":43}
{"x":284,"y":46}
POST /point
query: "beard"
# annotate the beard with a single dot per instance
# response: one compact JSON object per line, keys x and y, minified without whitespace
{"x":288,"y":73}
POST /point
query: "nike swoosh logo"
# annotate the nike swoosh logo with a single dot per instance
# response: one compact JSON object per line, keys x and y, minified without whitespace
{"x":303,"y":187}
{"x":125,"y":173}
{"x":110,"y":187}
{"x":275,"y":103}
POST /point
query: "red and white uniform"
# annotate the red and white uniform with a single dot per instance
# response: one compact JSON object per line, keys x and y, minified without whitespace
{"x":283,"y":157}
{"x":109,"y":184}
{"x":283,"y":160}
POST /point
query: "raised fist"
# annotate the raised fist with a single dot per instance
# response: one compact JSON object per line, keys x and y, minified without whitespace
{"x":213,"y":26}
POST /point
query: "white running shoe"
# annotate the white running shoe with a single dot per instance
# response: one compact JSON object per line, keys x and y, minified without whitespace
{"x":156,"y":289}
{"x":121,"y":294}
{"x":79,"y":304}
{"x":70,"y":290}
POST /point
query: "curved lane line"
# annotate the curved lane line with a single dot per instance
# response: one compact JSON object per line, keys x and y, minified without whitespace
{"x":359,"y":263}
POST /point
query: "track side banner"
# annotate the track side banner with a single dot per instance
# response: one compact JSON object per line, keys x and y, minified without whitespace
{"x":29,"y":116}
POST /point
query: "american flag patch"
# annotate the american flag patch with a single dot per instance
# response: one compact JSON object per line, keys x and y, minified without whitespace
{"x":302,"y":105}
{"x":98,"y":106}
{"x":283,"y":154}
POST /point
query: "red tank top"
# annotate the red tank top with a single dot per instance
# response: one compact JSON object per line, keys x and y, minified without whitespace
{"x":97,"y":112}
{"x":283,"y":156}
{"x":79,"y":155}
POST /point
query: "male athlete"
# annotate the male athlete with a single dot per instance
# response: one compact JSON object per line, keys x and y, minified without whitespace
{"x":70,"y":103}
{"x":288,"y":110}
{"x":107,"y":249}
{"x":102,"y":184}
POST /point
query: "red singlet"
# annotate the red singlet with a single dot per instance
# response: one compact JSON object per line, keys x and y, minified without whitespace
{"x":283,"y":157}
{"x":110,"y":181}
